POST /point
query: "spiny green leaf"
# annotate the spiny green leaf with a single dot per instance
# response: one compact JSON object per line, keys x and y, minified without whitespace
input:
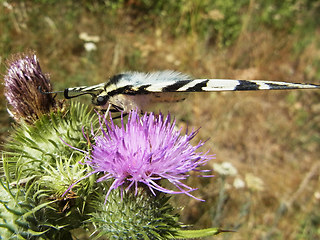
{"x":186,"y":234}
{"x":37,"y":208}
{"x":36,"y":233}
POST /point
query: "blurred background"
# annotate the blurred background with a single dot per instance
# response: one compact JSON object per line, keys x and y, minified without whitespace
{"x":266,"y":144}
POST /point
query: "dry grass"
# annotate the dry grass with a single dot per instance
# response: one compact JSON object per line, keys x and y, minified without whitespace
{"x":270,"y":135}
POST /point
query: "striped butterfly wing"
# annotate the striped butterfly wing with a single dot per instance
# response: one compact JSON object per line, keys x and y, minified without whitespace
{"x":132,"y":90}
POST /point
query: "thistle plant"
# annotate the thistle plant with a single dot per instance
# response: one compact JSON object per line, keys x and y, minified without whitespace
{"x":66,"y":167}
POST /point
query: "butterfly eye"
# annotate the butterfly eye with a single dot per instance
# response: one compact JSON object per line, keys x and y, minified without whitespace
{"x":101,"y":100}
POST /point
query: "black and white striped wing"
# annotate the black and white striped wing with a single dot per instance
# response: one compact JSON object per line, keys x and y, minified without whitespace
{"x":131,"y":90}
{"x":137,"y":90}
{"x":170,"y":81}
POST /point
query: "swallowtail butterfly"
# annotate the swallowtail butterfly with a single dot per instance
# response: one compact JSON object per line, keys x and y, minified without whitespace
{"x":131,"y":90}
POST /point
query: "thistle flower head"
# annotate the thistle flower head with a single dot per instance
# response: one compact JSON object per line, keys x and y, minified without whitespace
{"x":22,"y":81}
{"x":144,"y":151}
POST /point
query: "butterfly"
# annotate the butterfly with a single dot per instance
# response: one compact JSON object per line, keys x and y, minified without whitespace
{"x":137,"y":90}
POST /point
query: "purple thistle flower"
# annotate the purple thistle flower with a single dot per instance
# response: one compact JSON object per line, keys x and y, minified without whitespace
{"x":22,"y":81}
{"x":144,"y":151}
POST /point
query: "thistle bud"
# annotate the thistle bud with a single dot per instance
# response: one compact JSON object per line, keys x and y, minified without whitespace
{"x":22,"y":83}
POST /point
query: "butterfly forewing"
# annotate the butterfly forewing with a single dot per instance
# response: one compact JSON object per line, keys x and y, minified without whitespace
{"x":132,"y":90}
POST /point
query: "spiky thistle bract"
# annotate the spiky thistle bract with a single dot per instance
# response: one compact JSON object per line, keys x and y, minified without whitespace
{"x":38,"y":168}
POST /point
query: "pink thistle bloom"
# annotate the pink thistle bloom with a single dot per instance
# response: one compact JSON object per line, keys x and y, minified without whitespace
{"x":144,"y":151}
{"x":21,"y":82}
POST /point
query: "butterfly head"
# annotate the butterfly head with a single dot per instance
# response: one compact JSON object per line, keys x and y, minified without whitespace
{"x":99,"y":96}
{"x":97,"y":92}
